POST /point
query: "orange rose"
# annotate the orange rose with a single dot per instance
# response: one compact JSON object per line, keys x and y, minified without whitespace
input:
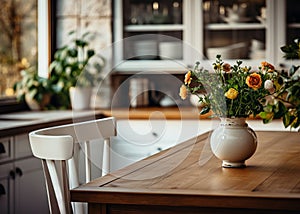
{"x":267,"y":66}
{"x":183,"y":92}
{"x":226,"y":67}
{"x":188,"y":79}
{"x":254,"y":81}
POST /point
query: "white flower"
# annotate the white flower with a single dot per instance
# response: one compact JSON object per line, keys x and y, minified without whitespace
{"x":269,"y":86}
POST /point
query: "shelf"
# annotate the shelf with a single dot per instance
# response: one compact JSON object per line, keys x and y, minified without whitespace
{"x":294,"y":25}
{"x":235,"y":26}
{"x":162,"y":27}
{"x":158,"y":66}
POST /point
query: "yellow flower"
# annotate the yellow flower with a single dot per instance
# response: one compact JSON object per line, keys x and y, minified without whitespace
{"x":188,"y":79}
{"x":217,"y":66}
{"x":231,"y":94}
{"x":254,"y":81}
{"x":183,"y":92}
{"x":245,"y":69}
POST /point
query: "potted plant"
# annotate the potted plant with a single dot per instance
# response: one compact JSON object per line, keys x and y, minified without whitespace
{"x":235,"y":92}
{"x":74,"y":72}
{"x":36,"y":91}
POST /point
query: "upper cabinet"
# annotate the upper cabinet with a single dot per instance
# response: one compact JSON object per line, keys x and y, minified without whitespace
{"x":150,"y":33}
{"x":168,"y":35}
{"x":235,"y":29}
{"x":288,"y":27}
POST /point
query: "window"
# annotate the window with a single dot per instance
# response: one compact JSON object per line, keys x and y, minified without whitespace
{"x":18,"y":36}
{"x":20,"y":42}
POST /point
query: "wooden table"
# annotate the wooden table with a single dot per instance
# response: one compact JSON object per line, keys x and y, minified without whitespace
{"x":189,"y":179}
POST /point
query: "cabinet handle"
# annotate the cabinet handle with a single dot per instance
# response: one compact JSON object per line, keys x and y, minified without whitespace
{"x":154,"y":134}
{"x":2,"y":190}
{"x":12,"y":174}
{"x":19,"y":171}
{"x":2,"y":148}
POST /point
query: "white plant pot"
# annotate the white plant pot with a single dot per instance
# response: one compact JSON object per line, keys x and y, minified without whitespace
{"x":80,"y":98}
{"x":233,"y":142}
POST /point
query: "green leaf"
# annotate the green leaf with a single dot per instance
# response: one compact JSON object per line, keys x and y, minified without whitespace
{"x":205,"y":110}
{"x":286,"y":120}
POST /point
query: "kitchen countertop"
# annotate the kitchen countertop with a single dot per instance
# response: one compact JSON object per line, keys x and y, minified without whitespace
{"x":26,"y":121}
{"x":175,"y":113}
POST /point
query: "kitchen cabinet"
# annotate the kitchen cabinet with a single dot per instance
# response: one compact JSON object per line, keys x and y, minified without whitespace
{"x":151,"y":33}
{"x":288,"y":25}
{"x":292,"y":20}
{"x":251,"y":31}
{"x":138,"y":139}
{"x":29,"y":187}
{"x":6,"y":185}
{"x":248,"y":30}
{"x":236,"y":29}
{"x":22,"y":186}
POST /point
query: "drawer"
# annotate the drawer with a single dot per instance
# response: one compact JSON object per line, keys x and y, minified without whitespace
{"x":6,"y":149}
{"x":22,"y":146}
{"x":160,"y":133}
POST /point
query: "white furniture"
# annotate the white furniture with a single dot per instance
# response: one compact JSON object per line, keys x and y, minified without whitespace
{"x":140,"y":138}
{"x":18,"y":171}
{"x":206,"y":27}
{"x":59,"y":145}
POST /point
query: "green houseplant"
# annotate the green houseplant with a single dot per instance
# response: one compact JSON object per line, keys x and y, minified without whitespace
{"x":75,"y":65}
{"x":36,"y":91}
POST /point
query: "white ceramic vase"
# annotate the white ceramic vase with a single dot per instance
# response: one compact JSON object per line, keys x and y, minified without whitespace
{"x":233,"y":142}
{"x":80,"y":97}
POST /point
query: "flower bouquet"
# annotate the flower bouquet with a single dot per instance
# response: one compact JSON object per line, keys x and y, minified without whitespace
{"x":238,"y":92}
{"x":234,"y":93}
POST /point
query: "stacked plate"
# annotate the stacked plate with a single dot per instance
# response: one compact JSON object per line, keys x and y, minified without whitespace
{"x":234,"y":51}
{"x":145,"y":49}
{"x":170,"y":50}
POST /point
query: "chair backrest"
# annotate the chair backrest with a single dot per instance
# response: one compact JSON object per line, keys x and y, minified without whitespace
{"x":57,"y":148}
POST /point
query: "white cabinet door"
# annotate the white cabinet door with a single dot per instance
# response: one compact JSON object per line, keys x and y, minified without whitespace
{"x":30,"y":189}
{"x":137,"y":139}
{"x":6,"y":149}
{"x":22,"y":146}
{"x":6,"y":187}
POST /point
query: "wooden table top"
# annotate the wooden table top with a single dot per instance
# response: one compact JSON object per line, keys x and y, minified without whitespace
{"x":188,"y":175}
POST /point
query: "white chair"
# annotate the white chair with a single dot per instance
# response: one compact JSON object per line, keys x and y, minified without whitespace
{"x":57,"y":148}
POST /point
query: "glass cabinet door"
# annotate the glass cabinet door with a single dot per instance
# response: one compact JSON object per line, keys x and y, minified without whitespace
{"x":288,"y":26}
{"x":293,"y":20}
{"x":235,"y":29}
{"x":151,"y":30}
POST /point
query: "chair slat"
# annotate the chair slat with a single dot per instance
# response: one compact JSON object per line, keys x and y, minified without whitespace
{"x":87,"y":161}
